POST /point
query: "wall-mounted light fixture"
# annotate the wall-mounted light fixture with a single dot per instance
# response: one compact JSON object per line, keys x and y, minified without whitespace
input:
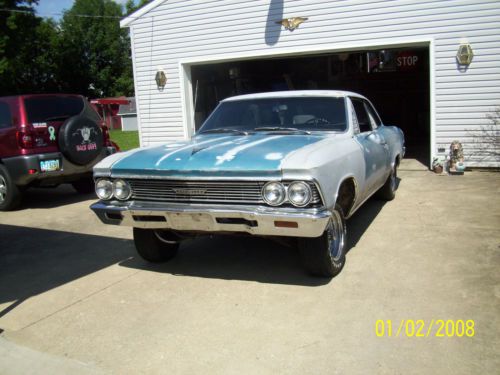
{"x":291,"y":23}
{"x":465,"y":54}
{"x":234,"y":73}
{"x":161,"y":79}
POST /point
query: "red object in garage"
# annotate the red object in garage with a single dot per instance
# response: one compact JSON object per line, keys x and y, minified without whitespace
{"x":108,"y":109}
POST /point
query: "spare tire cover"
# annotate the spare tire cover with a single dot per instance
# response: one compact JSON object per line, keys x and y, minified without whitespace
{"x":80,"y":139}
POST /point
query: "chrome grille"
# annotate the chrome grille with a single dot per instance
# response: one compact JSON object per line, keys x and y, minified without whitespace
{"x":246,"y":192}
{"x":196,"y":191}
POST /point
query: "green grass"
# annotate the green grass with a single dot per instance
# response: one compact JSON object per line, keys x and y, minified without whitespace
{"x":126,"y":140}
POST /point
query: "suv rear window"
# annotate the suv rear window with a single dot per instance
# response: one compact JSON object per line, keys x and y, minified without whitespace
{"x":52,"y":108}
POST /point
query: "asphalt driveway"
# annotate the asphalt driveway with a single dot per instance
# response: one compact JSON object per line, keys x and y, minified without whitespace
{"x":75,"y":298}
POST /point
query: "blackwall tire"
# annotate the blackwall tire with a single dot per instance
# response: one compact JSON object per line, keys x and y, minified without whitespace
{"x":10,"y":196}
{"x":81,"y":139}
{"x":324,"y":256}
{"x":84,"y":186}
{"x":155,"y":246}
{"x":388,"y":191}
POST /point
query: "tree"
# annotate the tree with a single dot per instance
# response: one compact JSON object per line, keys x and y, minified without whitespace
{"x":485,"y":144}
{"x":87,"y":53}
{"x":37,"y":67}
{"x":131,"y":7}
{"x":94,"y":54}
{"x":24,"y":39}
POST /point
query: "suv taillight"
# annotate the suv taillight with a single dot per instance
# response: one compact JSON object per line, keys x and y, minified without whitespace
{"x":24,"y":139}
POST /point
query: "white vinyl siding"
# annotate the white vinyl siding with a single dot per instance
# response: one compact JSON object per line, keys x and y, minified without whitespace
{"x":176,"y":31}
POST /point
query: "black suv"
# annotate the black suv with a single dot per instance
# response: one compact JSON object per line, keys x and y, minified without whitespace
{"x":46,"y":140}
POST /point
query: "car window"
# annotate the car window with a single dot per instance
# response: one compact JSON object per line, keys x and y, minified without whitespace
{"x":361,"y":115}
{"x":304,"y":113}
{"x":375,"y":120}
{"x":5,"y":116}
{"x":355,"y":123}
{"x":46,"y":108}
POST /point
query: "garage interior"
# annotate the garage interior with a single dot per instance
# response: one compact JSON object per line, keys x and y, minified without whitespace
{"x":396,"y":80}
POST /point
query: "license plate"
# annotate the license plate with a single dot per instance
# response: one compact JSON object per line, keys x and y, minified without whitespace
{"x":50,"y":165}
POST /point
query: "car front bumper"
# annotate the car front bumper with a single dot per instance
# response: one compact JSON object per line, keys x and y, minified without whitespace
{"x":255,"y":220}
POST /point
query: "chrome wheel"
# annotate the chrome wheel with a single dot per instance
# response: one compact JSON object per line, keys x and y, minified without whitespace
{"x":336,"y":236}
{"x":165,"y":237}
{"x":324,"y":256}
{"x":3,"y":189}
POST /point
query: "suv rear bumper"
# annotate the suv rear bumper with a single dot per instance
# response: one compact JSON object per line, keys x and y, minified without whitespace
{"x":19,"y":168}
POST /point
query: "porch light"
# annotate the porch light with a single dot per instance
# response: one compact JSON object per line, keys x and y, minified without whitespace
{"x":465,"y":54}
{"x":161,"y":79}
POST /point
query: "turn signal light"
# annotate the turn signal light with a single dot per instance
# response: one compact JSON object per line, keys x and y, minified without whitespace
{"x":286,"y":224}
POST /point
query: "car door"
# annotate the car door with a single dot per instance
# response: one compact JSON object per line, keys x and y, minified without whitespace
{"x":372,"y":143}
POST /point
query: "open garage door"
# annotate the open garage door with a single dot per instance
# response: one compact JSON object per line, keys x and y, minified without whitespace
{"x":396,"y":80}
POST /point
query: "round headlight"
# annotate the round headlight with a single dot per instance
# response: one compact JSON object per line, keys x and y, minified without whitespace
{"x":104,"y":189}
{"x":121,"y":190}
{"x":299,"y":194}
{"x":274,"y":193}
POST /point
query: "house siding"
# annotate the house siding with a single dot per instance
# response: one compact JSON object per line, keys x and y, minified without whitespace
{"x":176,"y":31}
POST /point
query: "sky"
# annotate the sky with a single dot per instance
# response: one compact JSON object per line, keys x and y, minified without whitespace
{"x":54,"y":8}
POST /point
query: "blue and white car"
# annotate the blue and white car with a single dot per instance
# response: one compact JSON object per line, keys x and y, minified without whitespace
{"x":291,"y":164}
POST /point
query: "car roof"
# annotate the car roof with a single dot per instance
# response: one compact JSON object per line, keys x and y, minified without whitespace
{"x":294,"y":94}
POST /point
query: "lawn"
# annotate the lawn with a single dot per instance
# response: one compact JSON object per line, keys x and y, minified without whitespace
{"x":126,"y":140}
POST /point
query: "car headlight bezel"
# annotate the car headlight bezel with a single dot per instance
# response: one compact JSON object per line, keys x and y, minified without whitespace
{"x":121,"y":190}
{"x":104,"y":189}
{"x":280,"y":191}
{"x":306,"y":193}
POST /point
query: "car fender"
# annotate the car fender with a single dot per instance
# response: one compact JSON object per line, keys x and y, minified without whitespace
{"x":328,"y":163}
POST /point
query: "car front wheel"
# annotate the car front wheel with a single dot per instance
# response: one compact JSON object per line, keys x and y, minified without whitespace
{"x":155,"y":245}
{"x":324,"y":256}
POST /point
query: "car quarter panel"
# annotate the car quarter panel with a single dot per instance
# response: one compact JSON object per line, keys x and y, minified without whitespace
{"x":395,"y":141}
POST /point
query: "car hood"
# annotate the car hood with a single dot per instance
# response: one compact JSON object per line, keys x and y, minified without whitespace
{"x":214,"y":155}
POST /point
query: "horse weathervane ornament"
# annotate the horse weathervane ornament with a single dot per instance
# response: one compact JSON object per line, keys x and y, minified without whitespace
{"x":292,"y":23}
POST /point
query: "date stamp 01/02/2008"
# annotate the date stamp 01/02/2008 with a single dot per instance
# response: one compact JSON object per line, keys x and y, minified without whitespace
{"x":421,"y":328}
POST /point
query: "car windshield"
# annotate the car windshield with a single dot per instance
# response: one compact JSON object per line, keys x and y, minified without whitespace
{"x":295,"y":115}
{"x":52,"y":108}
